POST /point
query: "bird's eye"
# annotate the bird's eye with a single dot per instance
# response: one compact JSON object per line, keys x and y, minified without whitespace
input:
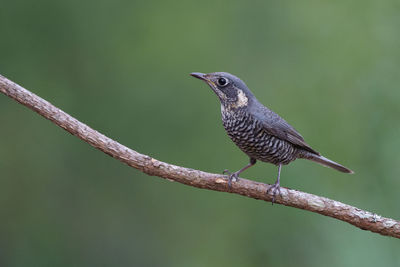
{"x":222,"y":81}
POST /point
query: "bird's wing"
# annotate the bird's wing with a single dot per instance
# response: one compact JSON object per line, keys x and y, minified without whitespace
{"x":273,"y":124}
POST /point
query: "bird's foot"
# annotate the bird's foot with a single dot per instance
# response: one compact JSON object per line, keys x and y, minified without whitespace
{"x":275,"y":188}
{"x":233,"y":176}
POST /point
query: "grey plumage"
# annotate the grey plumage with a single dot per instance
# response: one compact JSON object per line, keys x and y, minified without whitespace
{"x":256,"y":130}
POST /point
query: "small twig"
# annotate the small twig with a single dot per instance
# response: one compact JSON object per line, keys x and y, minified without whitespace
{"x":293,"y":198}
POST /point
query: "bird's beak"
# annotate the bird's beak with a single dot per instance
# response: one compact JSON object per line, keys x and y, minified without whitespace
{"x":204,"y":77}
{"x":207,"y":79}
{"x":199,"y":75}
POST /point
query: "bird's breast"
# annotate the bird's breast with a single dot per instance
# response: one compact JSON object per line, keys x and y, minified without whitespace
{"x":252,"y":139}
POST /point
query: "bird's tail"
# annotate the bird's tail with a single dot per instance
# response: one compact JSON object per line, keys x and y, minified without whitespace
{"x":326,"y":162}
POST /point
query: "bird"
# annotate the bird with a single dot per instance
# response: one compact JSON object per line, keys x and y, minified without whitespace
{"x":258,"y":131}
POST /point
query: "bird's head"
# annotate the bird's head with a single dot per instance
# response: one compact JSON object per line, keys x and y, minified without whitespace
{"x":231,"y":91}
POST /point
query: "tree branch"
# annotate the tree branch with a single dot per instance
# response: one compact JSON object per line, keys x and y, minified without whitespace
{"x":293,"y":198}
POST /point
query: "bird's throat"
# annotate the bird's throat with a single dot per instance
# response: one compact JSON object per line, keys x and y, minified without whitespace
{"x":242,"y":100}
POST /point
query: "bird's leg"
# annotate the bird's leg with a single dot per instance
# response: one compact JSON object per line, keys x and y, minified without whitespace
{"x":276,"y":187}
{"x":235,"y":175}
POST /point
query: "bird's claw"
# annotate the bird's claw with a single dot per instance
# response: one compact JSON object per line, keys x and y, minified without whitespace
{"x":232,"y":176}
{"x":274,"y":189}
{"x":226,"y":171}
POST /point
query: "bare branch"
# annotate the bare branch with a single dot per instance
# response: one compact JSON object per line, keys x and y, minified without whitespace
{"x":293,"y":198}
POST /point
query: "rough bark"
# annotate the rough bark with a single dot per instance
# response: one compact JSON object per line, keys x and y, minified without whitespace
{"x":360,"y":218}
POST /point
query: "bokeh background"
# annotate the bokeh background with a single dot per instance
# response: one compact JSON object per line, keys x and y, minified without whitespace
{"x":330,"y":68}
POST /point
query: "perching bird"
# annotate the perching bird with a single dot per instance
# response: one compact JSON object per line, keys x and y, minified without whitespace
{"x":256,"y":130}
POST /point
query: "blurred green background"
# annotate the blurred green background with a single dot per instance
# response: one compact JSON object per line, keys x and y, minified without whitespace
{"x":330,"y":68}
